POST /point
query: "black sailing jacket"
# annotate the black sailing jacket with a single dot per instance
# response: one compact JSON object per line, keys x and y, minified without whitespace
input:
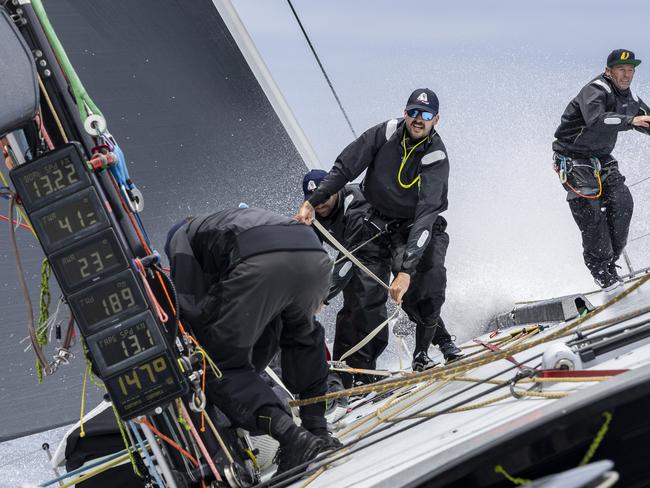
{"x":203,"y":251}
{"x":345,"y":223}
{"x":592,"y":120}
{"x":380,"y":151}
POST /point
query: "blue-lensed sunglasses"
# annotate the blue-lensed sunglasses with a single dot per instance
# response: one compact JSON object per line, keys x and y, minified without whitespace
{"x":414,"y":112}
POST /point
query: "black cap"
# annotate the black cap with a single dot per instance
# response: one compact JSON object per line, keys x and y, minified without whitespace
{"x":311,"y":181}
{"x":423,"y":99}
{"x":622,"y":56}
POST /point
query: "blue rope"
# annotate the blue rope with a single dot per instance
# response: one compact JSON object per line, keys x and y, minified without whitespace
{"x":84,"y":468}
{"x":147,"y":458}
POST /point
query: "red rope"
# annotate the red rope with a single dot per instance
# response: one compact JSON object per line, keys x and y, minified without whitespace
{"x":169,"y":441}
{"x":159,"y":310}
{"x":7,"y":219}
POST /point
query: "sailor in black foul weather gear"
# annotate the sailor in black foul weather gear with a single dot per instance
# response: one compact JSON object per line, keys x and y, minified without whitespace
{"x":342,"y":214}
{"x":599,"y":200}
{"x":249,"y":282}
{"x":406,"y":181}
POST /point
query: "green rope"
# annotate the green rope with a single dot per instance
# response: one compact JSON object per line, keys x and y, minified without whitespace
{"x":516,"y":481}
{"x":598,"y":439}
{"x":81,"y":96}
{"x":181,"y":419}
{"x":128,"y":446}
{"x":45,"y":300}
{"x":93,"y":379}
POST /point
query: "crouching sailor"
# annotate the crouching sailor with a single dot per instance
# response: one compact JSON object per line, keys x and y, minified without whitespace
{"x":599,"y":200}
{"x":249,"y":282}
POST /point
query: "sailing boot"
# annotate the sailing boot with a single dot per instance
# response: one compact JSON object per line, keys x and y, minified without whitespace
{"x":337,"y":407}
{"x":449,"y":350}
{"x":422,"y":361}
{"x":297,"y":445}
{"x":445,"y":342}
{"x":331,"y":442}
{"x":423,"y":337}
{"x":606,"y":281}
{"x":613,"y":268}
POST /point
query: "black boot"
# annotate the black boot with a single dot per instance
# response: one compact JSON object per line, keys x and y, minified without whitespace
{"x":422,"y":361}
{"x":297,"y":445}
{"x":331,"y":442}
{"x":449,"y":350}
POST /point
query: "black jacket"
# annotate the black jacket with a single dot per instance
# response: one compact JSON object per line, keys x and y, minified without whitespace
{"x":345,"y":223}
{"x":379,"y":150}
{"x":591,"y":122}
{"x":205,"y":249}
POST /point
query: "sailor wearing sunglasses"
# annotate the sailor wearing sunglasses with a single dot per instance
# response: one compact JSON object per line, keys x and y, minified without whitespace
{"x":406,"y":181}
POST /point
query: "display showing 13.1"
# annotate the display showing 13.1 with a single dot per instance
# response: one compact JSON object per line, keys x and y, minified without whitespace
{"x":126,"y":343}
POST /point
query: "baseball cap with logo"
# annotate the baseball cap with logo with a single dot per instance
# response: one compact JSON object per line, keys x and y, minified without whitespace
{"x":423,"y":99}
{"x":622,"y":56}
{"x":311,"y":181}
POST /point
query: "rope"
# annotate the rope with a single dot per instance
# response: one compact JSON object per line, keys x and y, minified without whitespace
{"x":585,"y":460}
{"x":462,"y":366}
{"x":159,"y":310}
{"x":320,"y":65}
{"x":127,"y":444}
{"x":54,"y":113}
{"x":44,"y":302}
{"x":82,"y":433}
{"x":370,"y":336}
{"x":84,"y":103}
{"x":169,"y":441}
{"x":343,"y":250}
{"x":28,"y":301}
{"x":151,"y":467}
{"x":15,"y":222}
{"x":197,"y":437}
{"x":516,"y":481}
{"x":598,"y":439}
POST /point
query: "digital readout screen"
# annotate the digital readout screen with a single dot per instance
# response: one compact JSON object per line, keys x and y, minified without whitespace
{"x":112,"y":298}
{"x":143,"y":387}
{"x":126,"y":343}
{"x":92,"y":258}
{"x":73,"y":217}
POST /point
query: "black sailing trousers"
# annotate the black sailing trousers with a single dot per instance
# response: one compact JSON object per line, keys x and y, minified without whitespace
{"x":364,"y":305}
{"x":604,"y":222}
{"x":267,"y":303}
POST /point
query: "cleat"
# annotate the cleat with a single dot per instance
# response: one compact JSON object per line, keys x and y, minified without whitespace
{"x":450,"y":351}
{"x":421,"y":362}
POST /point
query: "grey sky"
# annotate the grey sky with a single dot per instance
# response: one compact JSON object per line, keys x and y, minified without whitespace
{"x":504,"y":71}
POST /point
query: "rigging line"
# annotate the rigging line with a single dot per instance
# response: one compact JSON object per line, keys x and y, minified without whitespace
{"x":638,"y":182}
{"x":296,"y":473}
{"x":640,"y":237}
{"x":322,"y":68}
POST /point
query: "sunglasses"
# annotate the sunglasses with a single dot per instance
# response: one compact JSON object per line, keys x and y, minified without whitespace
{"x":413,"y":113}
